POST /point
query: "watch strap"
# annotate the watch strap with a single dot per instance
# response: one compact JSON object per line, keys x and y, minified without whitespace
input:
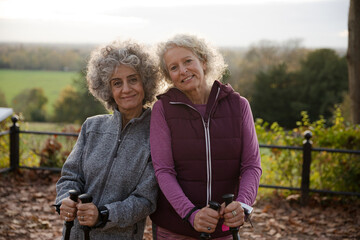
{"x":103,"y":217}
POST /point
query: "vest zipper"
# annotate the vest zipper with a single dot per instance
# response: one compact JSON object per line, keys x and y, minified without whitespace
{"x":208,"y":160}
{"x":207,"y":145}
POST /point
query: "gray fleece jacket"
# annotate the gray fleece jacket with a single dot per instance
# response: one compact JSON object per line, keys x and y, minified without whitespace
{"x":114,"y":167}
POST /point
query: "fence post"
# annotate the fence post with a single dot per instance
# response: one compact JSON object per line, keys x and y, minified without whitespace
{"x":14,"y":144}
{"x":305,"y":176}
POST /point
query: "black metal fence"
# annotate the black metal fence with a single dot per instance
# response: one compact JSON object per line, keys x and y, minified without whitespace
{"x":307,"y":149}
{"x":14,"y":134}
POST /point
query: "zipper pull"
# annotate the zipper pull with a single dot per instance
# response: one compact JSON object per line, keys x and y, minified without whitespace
{"x":119,"y":141}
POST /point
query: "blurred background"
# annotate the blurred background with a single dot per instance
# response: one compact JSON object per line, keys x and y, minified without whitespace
{"x":288,"y":58}
{"x":294,"y":60}
{"x":44,"y":46}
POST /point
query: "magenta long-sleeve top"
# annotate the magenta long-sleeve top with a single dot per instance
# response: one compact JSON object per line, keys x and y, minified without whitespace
{"x":161,"y":153}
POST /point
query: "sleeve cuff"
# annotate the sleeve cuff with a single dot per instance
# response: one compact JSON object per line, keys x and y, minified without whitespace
{"x":192,"y":217}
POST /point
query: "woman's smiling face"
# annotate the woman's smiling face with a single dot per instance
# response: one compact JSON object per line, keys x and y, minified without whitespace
{"x":185,"y":69}
{"x":127,"y":89}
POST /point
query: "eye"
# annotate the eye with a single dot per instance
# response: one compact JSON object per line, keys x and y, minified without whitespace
{"x":187,"y":61}
{"x":116,"y":83}
{"x":173,"y":68}
{"x":133,"y":80}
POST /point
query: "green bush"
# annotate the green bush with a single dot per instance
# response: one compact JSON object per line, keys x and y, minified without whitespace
{"x":329,"y":171}
{"x":5,"y":144}
{"x":38,"y":150}
{"x":31,"y":103}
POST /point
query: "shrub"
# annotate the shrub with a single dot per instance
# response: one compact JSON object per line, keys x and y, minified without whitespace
{"x":329,"y":171}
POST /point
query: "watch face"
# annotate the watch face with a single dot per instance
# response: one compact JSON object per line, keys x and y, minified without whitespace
{"x":104,"y":213}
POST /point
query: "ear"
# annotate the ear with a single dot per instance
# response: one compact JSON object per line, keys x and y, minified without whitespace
{"x":203,"y":64}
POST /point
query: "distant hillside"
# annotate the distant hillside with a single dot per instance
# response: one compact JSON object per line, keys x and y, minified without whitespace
{"x":50,"y":57}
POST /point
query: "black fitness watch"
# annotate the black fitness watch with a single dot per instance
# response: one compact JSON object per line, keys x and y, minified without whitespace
{"x":103,"y":217}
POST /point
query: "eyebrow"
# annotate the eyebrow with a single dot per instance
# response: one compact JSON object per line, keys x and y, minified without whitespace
{"x":133,"y":75}
{"x":184,"y":58}
{"x":130,"y":76}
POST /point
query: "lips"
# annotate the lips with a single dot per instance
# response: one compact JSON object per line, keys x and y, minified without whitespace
{"x":187,"y":79}
{"x":128,"y":97}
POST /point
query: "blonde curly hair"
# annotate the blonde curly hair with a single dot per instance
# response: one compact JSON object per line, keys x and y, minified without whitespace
{"x":103,"y":62}
{"x":215,"y":65}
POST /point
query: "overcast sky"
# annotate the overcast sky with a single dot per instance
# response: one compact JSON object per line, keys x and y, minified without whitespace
{"x":319,"y":23}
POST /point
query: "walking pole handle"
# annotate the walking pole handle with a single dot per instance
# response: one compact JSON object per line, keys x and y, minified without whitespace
{"x":86,"y":198}
{"x":228,"y":198}
{"x":215,"y":206}
{"x":69,"y":224}
{"x":74,"y":195}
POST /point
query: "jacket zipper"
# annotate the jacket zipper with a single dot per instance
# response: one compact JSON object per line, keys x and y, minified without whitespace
{"x":207,"y":146}
{"x":113,"y":156}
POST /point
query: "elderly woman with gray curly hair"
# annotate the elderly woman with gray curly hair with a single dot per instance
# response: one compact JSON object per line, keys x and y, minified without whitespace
{"x":111,"y":158}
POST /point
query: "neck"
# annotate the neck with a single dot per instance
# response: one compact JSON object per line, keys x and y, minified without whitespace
{"x":199,"y":95}
{"x":128,"y":115}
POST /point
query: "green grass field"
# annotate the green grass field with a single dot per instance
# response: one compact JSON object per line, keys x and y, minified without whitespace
{"x":12,"y":82}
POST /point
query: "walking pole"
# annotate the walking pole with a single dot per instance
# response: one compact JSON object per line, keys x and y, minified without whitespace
{"x":228,"y":198}
{"x":215,"y":206}
{"x":86,"y":198}
{"x":69,"y":224}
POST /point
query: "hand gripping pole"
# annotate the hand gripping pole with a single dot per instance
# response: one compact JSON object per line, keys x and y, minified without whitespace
{"x":228,"y":198}
{"x":86,"y":198}
{"x":69,"y":224}
{"x":215,"y":206}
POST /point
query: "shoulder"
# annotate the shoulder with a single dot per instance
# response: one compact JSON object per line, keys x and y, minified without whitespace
{"x":157,"y":111}
{"x":99,"y":122}
{"x":243,"y":101}
{"x":98,"y":119}
{"x":158,"y":106}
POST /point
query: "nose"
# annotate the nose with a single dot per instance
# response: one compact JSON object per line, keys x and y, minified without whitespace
{"x":183,"y":69}
{"x":126,"y":87}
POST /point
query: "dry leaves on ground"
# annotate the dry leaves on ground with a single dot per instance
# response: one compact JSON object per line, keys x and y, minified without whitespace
{"x":26,"y":199}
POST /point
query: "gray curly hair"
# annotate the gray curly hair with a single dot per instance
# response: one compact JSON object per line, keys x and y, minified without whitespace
{"x":103,"y":62}
{"x":215,"y":65}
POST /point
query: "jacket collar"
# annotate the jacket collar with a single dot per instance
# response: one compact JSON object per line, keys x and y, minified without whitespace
{"x":144,"y":115}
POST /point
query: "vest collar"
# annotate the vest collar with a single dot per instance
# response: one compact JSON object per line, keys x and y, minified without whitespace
{"x":178,"y":96}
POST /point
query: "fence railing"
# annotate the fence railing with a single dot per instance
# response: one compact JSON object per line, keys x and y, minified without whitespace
{"x":14,"y":152}
{"x":307,"y":149}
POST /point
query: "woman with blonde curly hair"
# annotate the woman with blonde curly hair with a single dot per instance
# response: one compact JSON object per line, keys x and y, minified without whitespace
{"x":111,"y":159}
{"x":203,"y":145}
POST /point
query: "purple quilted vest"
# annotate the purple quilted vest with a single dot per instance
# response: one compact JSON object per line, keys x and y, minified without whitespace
{"x":206,"y":152}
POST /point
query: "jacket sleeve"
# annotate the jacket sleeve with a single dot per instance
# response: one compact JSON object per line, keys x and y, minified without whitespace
{"x":72,"y":173}
{"x":140,"y":203}
{"x":250,"y":158}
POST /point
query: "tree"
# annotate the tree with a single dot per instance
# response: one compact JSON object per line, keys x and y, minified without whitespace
{"x":260,"y":57}
{"x":3,"y":102}
{"x":31,"y":102}
{"x":324,"y":81}
{"x":280,"y":95}
{"x":353,"y":57}
{"x":66,"y":106}
{"x":75,"y":104}
{"x":275,"y":96}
